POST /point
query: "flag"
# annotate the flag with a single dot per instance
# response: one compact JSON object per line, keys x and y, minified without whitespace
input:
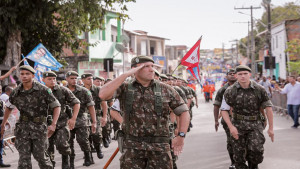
{"x":13,"y":81}
{"x":39,"y":69}
{"x":25,"y":60}
{"x":191,"y":60}
{"x":43,"y":57}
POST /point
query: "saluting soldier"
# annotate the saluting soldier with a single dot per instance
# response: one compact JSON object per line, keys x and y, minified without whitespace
{"x":32,"y":99}
{"x":87,"y":79}
{"x":245,"y":97}
{"x":146,"y":103}
{"x":65,"y":123}
{"x":82,"y":129}
{"x":217,"y":104}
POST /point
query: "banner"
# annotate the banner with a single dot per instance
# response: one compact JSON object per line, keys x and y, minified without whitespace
{"x":39,"y":72}
{"x":43,"y":57}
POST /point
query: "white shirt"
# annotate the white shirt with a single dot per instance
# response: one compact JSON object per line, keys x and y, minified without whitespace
{"x":224,"y":105}
{"x":4,"y":97}
{"x":293,"y":93}
{"x":116,"y":105}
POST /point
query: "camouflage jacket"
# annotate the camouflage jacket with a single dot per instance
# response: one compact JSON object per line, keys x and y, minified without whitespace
{"x":187,"y":92}
{"x":219,"y":95}
{"x":86,"y":100}
{"x":192,"y":91}
{"x":143,"y":118}
{"x":95,"y":93}
{"x":65,"y":97}
{"x":246,"y":102}
{"x":181,"y":93}
{"x":33,"y":102}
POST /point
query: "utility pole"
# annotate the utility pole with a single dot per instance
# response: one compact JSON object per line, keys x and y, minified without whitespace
{"x":269,"y":37}
{"x":252,"y":40}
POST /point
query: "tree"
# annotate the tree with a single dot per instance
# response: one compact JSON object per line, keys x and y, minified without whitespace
{"x":293,"y":49}
{"x":55,"y":23}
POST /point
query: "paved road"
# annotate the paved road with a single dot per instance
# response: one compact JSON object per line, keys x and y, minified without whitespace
{"x":206,"y":149}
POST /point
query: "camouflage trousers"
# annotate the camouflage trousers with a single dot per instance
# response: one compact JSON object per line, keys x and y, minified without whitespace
{"x":32,"y":139}
{"x":60,"y":139}
{"x":106,"y":130}
{"x":249,"y":147}
{"x":142,"y":159}
{"x":96,"y":138}
{"x":82,"y":137}
{"x":229,"y":138}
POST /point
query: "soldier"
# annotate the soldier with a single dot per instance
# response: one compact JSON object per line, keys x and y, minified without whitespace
{"x":32,"y":99}
{"x":65,"y":123}
{"x":98,"y":81}
{"x":106,"y":130}
{"x":217,"y":104}
{"x":82,"y":129}
{"x":246,"y":97}
{"x":96,"y":137}
{"x":146,"y":116}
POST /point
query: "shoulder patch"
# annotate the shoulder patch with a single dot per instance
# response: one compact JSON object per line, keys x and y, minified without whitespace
{"x":89,"y":93}
{"x":49,"y":91}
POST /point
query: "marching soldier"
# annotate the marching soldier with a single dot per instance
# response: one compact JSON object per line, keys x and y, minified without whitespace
{"x":146,"y":103}
{"x":96,"y":137}
{"x":82,"y":129}
{"x":66,"y":120}
{"x":217,"y":104}
{"x":245,"y":98}
{"x":32,"y":99}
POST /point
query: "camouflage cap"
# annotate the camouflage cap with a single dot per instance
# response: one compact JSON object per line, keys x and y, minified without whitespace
{"x":49,"y":74}
{"x":140,"y":59}
{"x":28,"y":68}
{"x":99,"y":78}
{"x":72,"y":73}
{"x":242,"y":68}
{"x":85,"y":75}
{"x":156,"y":72}
{"x":163,"y":76}
{"x":231,"y":70}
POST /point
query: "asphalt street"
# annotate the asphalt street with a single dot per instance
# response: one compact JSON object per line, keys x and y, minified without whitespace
{"x":205,"y":148}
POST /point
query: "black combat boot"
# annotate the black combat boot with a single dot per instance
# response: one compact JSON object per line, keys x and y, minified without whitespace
{"x":72,"y":158}
{"x":232,"y":162}
{"x":105,"y":142}
{"x":65,"y":162}
{"x":252,"y":166}
{"x":100,"y":154}
{"x":87,"y":158}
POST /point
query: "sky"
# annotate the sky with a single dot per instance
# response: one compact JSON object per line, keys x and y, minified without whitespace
{"x":184,"y":21}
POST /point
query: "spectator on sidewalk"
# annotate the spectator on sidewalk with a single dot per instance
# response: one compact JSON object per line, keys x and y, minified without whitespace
{"x":298,"y":79}
{"x":5,"y":96}
{"x":267,"y":85}
{"x":2,"y":165}
{"x":292,"y":90}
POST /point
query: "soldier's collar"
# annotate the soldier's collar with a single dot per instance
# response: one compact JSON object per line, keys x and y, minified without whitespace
{"x":237,"y":84}
{"x":55,"y":87}
{"x":78,"y":88}
{"x":135,"y":82}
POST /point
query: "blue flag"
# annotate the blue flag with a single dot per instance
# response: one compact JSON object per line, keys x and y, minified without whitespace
{"x":39,"y":72}
{"x":43,"y":57}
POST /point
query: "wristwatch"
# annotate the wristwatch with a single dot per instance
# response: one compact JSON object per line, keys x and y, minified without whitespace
{"x":181,"y":134}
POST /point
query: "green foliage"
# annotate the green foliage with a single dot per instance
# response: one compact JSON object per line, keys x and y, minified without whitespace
{"x":293,"y":48}
{"x":55,"y":23}
{"x":294,"y":67}
{"x":280,"y":13}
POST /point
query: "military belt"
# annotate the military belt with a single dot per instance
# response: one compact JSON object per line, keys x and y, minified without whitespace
{"x":82,"y":114}
{"x":242,"y":117}
{"x":40,"y":119}
{"x":148,"y":139}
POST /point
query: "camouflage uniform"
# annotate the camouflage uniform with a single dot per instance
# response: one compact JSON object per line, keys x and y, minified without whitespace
{"x":97,"y":136}
{"x":106,"y":130}
{"x":246,"y":111}
{"x":82,"y":129}
{"x":31,"y":130}
{"x":146,"y":143}
{"x":218,"y":102}
{"x":181,"y":93}
{"x":62,"y":133}
{"x":193,"y":93}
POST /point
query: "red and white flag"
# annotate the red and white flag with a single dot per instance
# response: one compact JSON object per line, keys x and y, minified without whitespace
{"x":192,"y":57}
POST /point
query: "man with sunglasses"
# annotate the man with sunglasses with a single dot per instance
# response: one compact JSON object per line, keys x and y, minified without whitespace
{"x":217,"y":104}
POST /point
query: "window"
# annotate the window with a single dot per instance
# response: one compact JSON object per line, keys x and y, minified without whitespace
{"x":143,"y":48}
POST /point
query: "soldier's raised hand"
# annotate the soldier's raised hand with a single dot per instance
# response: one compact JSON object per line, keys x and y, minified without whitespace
{"x":133,"y":70}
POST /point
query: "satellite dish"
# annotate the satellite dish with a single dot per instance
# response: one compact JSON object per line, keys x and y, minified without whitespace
{"x":124,"y":39}
{"x":120,"y":48}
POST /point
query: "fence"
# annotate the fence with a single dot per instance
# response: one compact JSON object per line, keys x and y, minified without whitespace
{"x":279,"y":102}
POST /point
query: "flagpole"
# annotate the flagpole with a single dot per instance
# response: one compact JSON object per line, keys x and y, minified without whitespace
{"x":20,"y":62}
{"x":175,"y":68}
